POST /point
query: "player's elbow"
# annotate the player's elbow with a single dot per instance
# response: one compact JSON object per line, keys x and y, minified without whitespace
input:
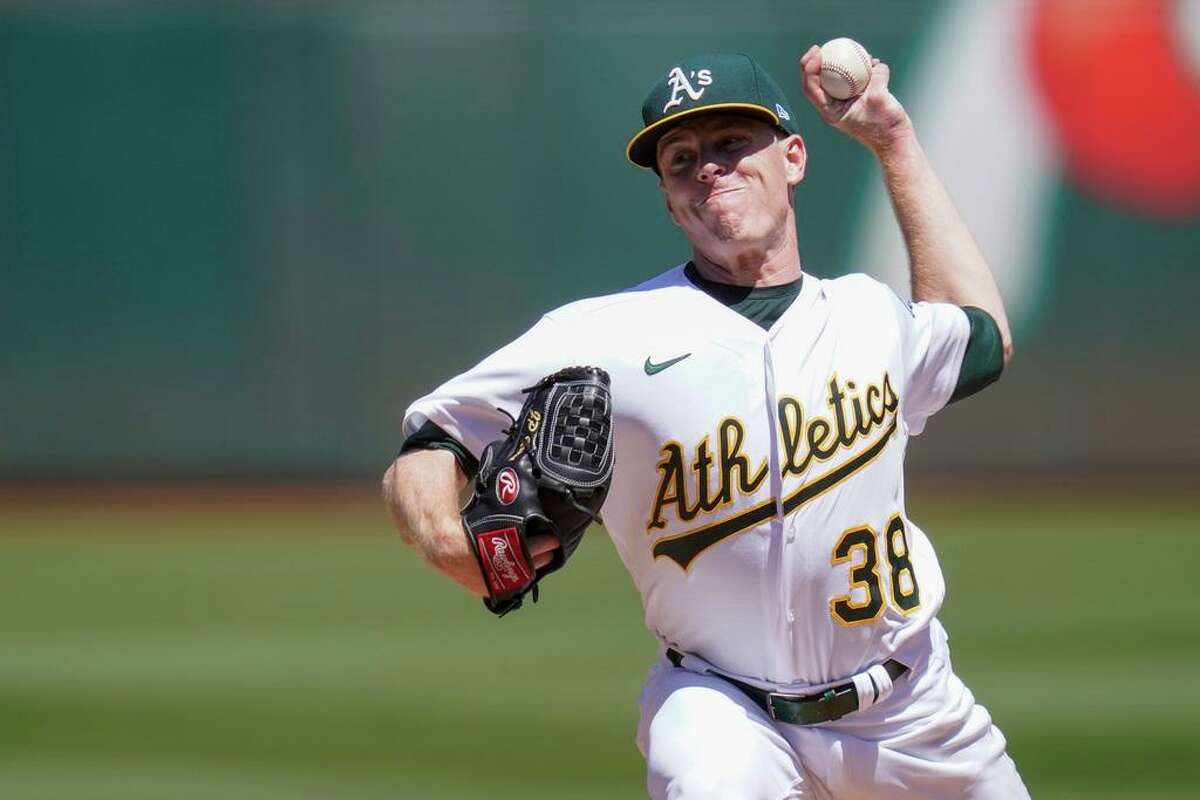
{"x":399,"y":494}
{"x":1005,"y":334}
{"x":388,"y":488}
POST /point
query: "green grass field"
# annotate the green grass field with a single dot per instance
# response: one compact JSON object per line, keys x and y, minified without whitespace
{"x":276,"y":650}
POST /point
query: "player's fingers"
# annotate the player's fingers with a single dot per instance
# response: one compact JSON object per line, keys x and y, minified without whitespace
{"x":541,"y":548}
{"x":811,"y":60}
{"x":810,"y":81}
{"x":542,"y":543}
{"x":881,"y":74}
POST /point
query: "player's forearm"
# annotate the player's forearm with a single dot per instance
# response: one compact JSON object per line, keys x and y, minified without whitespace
{"x":421,"y":489}
{"x":946,"y":263}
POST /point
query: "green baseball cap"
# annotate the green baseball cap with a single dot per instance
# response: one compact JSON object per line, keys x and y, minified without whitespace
{"x":729,"y":82}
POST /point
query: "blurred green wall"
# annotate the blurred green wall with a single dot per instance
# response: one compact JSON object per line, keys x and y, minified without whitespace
{"x":238,"y":239}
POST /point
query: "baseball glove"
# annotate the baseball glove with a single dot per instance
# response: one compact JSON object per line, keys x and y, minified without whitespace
{"x":549,"y":475}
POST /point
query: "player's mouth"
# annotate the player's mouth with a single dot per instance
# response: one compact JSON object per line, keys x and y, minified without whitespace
{"x":720,"y":192}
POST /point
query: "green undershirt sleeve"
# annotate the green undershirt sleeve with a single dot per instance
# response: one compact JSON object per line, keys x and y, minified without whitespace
{"x":431,"y":437}
{"x":984,"y":359}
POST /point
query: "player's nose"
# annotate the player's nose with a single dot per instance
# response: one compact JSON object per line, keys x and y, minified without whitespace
{"x":709,"y":171}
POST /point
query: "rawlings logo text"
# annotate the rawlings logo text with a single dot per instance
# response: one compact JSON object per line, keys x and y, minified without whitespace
{"x":504,"y":563}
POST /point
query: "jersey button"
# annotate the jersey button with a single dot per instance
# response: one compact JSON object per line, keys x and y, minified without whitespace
{"x":791,"y":615}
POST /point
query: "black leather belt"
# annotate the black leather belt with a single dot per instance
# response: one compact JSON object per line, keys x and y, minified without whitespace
{"x":803,"y":709}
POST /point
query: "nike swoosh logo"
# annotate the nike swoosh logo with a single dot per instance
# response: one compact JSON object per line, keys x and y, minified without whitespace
{"x":653,"y":369}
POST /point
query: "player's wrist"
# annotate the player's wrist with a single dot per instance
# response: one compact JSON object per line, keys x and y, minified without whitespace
{"x":897,"y":140}
{"x":448,"y":546}
{"x":451,"y":555}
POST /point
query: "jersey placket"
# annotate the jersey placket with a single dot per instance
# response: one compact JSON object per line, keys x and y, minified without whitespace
{"x":777,"y":595}
{"x":794,"y":339}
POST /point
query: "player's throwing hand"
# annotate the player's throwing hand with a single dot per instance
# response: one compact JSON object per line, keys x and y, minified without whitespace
{"x":874,"y":117}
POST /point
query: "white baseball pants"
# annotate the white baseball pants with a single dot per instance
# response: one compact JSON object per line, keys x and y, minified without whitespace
{"x":703,"y":739}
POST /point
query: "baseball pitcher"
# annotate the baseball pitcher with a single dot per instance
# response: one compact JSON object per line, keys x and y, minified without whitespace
{"x":741,"y":425}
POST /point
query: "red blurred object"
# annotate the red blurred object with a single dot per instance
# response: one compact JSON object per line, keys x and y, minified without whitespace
{"x":1123,"y":98}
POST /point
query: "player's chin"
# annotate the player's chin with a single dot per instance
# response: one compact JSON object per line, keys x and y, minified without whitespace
{"x":730,"y":227}
{"x":729,"y":234}
{"x":727,"y":227}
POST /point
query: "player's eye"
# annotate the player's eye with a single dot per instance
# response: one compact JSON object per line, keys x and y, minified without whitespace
{"x":681,"y":158}
{"x":732,"y":142}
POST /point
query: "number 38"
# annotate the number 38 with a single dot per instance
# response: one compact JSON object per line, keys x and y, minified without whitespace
{"x":859,"y":546}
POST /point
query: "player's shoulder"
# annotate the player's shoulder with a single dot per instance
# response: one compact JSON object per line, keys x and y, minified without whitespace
{"x":623,"y":302}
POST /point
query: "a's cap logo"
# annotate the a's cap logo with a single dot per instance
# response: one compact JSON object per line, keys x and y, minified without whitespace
{"x":782,"y":112}
{"x":679,"y":84}
{"x":508,"y":486}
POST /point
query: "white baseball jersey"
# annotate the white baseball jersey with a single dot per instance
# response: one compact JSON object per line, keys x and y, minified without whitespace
{"x":758,"y":492}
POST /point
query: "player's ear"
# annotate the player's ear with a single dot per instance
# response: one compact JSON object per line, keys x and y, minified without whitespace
{"x":796,"y":158}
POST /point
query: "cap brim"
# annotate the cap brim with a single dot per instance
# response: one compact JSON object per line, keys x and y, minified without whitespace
{"x":643,"y":147}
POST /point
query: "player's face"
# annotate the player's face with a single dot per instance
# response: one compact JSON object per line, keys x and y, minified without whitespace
{"x":728,"y":181}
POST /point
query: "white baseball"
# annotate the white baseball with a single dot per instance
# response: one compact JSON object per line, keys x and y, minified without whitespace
{"x":845,"y":68}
